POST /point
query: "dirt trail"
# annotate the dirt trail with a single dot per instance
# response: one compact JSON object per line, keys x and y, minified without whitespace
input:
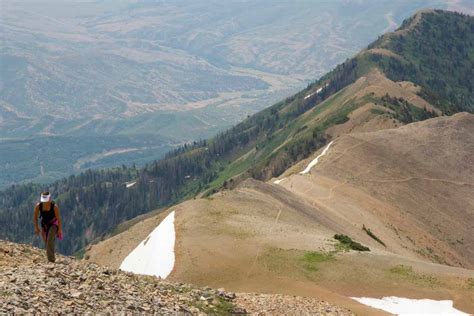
{"x":420,"y":178}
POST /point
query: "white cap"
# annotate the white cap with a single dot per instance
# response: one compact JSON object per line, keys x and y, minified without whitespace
{"x":45,"y":197}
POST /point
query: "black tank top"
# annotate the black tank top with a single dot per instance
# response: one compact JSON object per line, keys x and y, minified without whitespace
{"x":47,"y":217}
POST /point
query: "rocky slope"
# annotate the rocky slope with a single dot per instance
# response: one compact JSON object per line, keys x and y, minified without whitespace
{"x":30,"y":285}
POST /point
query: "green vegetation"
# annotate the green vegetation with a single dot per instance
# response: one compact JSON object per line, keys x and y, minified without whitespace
{"x":299,"y":263}
{"x":428,"y":252}
{"x":311,"y":259}
{"x":402,"y":270}
{"x":438,"y":55}
{"x":406,"y":273}
{"x":218,"y":306}
{"x":372,"y":235}
{"x":378,"y":111}
{"x":5,"y":293}
{"x":347,"y":243}
{"x":470,"y":283}
{"x":405,"y":112}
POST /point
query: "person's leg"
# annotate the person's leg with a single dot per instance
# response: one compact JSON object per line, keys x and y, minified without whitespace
{"x":44,"y":233}
{"x":50,"y":239}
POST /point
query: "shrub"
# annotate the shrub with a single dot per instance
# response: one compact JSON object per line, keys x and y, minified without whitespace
{"x":347,"y":241}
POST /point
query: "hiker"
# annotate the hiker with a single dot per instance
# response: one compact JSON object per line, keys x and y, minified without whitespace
{"x":50,"y":223}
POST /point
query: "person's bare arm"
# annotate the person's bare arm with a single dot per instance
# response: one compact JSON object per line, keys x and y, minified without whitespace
{"x":35,"y":219}
{"x":58,"y":216}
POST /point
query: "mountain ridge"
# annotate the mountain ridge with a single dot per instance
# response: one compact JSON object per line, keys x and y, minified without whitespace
{"x":385,"y":189}
{"x":263,"y":146}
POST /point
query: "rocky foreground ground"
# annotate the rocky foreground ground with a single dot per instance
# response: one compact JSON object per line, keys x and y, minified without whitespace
{"x":28,"y":284}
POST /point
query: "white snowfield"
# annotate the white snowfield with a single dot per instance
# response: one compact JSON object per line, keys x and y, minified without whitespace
{"x":411,"y":307}
{"x":315,"y":160}
{"x":154,"y":255}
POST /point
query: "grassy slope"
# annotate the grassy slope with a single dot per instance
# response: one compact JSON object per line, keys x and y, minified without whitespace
{"x":292,"y":252}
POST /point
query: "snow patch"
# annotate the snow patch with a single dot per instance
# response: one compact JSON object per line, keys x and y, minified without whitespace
{"x":155,"y":254}
{"x":315,"y":160}
{"x":309,"y":95}
{"x":130,"y":184}
{"x":278,"y":181}
{"x":320,"y":89}
{"x":412,"y":307}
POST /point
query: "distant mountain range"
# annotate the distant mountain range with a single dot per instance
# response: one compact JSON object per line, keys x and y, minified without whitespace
{"x":140,"y":78}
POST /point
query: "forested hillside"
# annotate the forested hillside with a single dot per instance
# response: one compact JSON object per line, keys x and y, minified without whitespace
{"x":437,"y":55}
{"x":266,"y":144}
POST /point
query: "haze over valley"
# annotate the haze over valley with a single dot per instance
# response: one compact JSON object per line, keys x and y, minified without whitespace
{"x":137,"y":79}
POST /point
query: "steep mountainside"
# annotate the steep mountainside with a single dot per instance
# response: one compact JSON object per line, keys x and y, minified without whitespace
{"x":406,"y":193}
{"x":369,"y":92}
